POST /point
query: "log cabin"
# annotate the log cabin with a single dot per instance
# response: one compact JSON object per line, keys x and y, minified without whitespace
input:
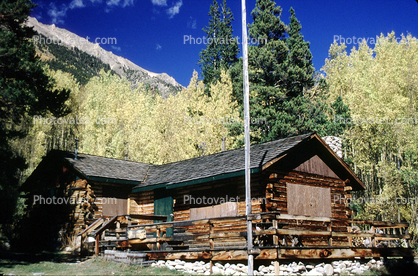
{"x":195,"y":208}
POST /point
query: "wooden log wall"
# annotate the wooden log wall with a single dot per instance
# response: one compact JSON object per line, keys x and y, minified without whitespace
{"x":87,"y":206}
{"x":277,"y":200}
{"x":88,"y":197}
{"x":270,"y":193}
{"x":276,"y":193}
{"x":143,"y":202}
{"x":234,"y":188}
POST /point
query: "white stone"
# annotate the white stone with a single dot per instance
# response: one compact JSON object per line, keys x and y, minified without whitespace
{"x":341,"y":266}
{"x":265,"y":270}
{"x":347,"y":263}
{"x":206,"y":273}
{"x":328,"y":269}
{"x":334,"y":268}
{"x":320,"y":269}
{"x":179,"y":267}
{"x":229,"y":271}
{"x":314,"y":272}
{"x":216,"y":270}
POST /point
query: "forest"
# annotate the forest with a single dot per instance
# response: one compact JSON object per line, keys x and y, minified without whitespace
{"x":368,"y":96}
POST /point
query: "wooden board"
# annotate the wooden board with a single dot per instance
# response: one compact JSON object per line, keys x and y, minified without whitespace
{"x":315,"y":165}
{"x":308,"y":200}
{"x":342,"y":253}
{"x":229,"y":255}
{"x":227,"y":209}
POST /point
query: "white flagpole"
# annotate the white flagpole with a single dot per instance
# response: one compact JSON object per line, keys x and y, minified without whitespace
{"x":247,"y":140}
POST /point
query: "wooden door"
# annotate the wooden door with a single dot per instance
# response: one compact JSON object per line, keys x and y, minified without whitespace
{"x":164,"y":207}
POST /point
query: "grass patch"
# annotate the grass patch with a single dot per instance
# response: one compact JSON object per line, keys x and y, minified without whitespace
{"x":93,"y":266}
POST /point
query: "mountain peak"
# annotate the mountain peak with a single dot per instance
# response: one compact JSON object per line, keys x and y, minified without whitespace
{"x":122,"y":66}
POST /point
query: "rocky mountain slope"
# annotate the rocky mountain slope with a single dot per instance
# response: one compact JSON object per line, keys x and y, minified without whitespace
{"x":69,"y":52}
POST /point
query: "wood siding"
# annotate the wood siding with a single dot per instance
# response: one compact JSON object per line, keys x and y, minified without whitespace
{"x":308,"y":200}
{"x":228,"y":209}
{"x":315,"y":165}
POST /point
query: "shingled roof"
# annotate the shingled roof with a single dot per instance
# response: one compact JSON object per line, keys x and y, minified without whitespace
{"x":209,"y":167}
{"x":222,"y":163}
{"x":103,"y":168}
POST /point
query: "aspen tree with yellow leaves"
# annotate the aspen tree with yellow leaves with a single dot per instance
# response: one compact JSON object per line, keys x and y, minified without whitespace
{"x":380,"y":86}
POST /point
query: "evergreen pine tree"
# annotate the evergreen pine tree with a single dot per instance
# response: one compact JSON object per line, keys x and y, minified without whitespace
{"x":266,"y":62}
{"x":341,"y":117}
{"x":25,"y":89}
{"x":222,"y":49}
{"x":280,"y":70}
{"x":299,"y":65}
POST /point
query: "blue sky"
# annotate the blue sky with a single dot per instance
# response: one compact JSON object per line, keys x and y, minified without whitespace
{"x":156,"y":34}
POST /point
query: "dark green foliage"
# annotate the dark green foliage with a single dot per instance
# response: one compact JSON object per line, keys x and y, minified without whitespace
{"x":280,"y":72}
{"x":267,"y":60}
{"x":235,"y":73}
{"x":71,"y":60}
{"x":24,"y":90}
{"x":340,"y":117}
{"x":222,"y":49}
{"x":299,"y":66}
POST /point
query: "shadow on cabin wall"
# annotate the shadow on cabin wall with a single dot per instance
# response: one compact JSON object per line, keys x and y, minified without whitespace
{"x":47,"y":222}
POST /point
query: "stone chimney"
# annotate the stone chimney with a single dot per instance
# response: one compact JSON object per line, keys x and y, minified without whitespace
{"x":335,"y":143}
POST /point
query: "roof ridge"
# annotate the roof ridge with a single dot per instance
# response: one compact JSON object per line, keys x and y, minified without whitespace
{"x":146,"y":174}
{"x":189,"y":159}
{"x":99,"y":156}
{"x":241,"y":148}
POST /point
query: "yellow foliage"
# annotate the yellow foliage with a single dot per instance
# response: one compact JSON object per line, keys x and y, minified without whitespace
{"x":151,"y":129}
